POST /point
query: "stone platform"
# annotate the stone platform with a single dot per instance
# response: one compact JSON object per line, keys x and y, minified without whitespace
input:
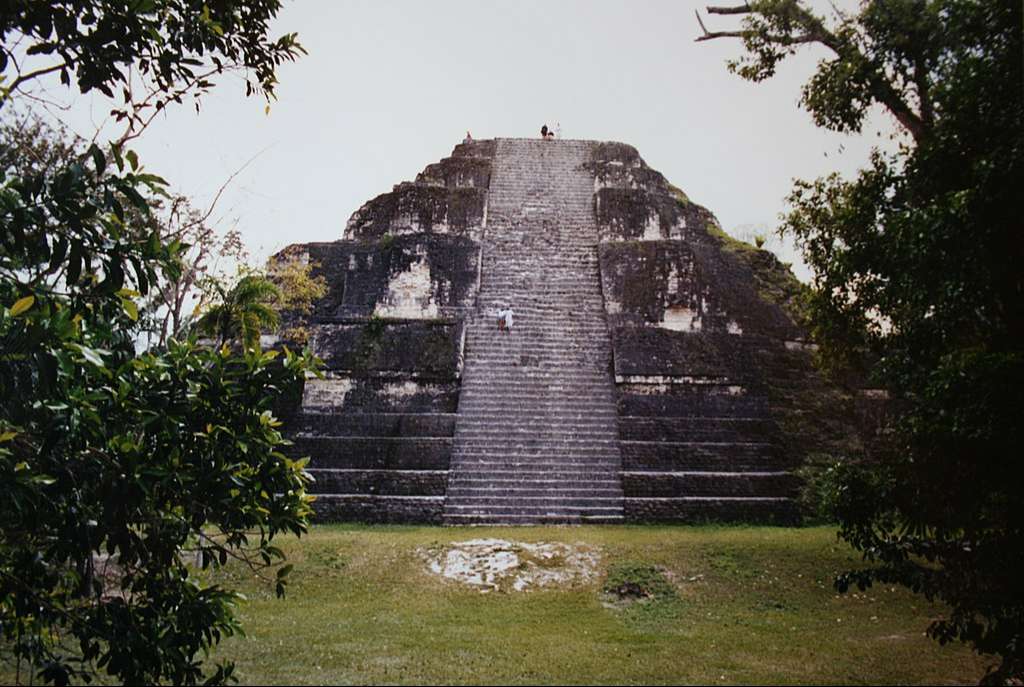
{"x":655,"y":370}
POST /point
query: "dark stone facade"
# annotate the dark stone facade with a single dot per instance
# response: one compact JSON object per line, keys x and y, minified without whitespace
{"x":717,"y":397}
{"x":718,"y":394}
{"x":390,"y":331}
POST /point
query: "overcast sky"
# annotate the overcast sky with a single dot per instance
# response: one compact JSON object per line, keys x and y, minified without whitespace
{"x":389,"y":87}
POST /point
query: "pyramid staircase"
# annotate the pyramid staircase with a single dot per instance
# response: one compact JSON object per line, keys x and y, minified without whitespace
{"x":536,"y":439}
{"x":537,"y":425}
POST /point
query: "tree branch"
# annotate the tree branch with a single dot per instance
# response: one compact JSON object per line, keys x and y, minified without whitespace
{"x":134,"y":117}
{"x":22,"y":78}
{"x":737,"y":9}
{"x":814,"y":31}
{"x":711,"y":35}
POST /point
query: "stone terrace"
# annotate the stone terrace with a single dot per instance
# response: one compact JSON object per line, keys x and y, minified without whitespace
{"x":654,"y":372}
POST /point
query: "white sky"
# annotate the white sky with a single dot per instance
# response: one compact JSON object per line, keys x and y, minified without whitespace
{"x":389,"y":87}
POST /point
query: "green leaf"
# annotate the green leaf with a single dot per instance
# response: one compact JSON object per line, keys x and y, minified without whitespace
{"x":90,"y":354}
{"x":130,"y":309}
{"x":133,"y":159}
{"x":7,"y":436}
{"x":98,"y":158}
{"x":118,"y":159}
{"x":22,"y":304}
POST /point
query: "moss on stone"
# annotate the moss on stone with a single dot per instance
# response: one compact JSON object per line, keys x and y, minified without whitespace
{"x":773,"y":280}
{"x":678,"y":194}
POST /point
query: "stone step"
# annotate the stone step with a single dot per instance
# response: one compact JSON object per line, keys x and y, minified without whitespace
{"x":529,"y":376}
{"x":511,"y":405}
{"x":556,"y":347}
{"x":653,"y":456}
{"x":515,"y":294}
{"x":732,"y":484}
{"x":392,"y":482}
{"x":477,"y":463}
{"x":537,"y":378}
{"x":526,"y":495}
{"x":375,"y":453}
{"x":555,"y":420}
{"x":707,"y":429}
{"x":515,"y":432}
{"x":378,"y":508}
{"x":481,"y":389}
{"x":551,"y":373}
{"x":545,"y":327}
{"x":531,"y":364}
{"x":614,"y":507}
{"x":537,"y":306}
{"x":696,"y":509}
{"x":544,"y":331}
{"x":603,"y":479}
{"x":484,"y":389}
{"x":509,"y":393}
{"x":546,"y":281}
{"x":698,"y":403}
{"x":507,"y":518}
{"x":586,"y":459}
{"x":524,"y":445}
{"x":478,"y":503}
{"x":541,"y":481}
{"x":530,"y":425}
{"x":374,"y":424}
{"x":531,"y":470}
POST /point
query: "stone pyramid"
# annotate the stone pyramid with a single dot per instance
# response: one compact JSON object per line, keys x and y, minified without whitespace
{"x":654,"y":371}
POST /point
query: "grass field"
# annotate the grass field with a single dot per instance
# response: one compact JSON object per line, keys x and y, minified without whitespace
{"x":731,"y":605}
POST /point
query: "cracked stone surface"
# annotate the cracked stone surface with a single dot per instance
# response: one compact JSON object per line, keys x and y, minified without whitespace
{"x":499,"y":564}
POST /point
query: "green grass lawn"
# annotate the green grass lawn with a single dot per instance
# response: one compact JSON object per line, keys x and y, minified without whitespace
{"x":744,"y":605}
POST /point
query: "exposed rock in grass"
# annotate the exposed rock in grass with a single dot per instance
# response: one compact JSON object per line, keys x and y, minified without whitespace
{"x":499,"y":564}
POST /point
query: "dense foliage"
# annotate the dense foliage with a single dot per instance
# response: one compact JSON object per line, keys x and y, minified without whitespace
{"x":918,"y":264}
{"x":123,"y":472}
{"x":153,"y":52}
{"x":243,"y":311}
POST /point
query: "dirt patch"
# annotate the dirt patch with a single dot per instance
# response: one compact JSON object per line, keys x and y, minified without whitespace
{"x":631,"y":582}
{"x":499,"y":564}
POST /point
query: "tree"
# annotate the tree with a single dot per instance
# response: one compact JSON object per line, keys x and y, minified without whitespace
{"x":156,"y":51}
{"x":298,"y":290}
{"x":118,"y":468}
{"x":917,"y":262}
{"x":243,"y":312}
{"x":206,"y":257}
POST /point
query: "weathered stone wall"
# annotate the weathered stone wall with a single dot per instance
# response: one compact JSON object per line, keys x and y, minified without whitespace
{"x":716,"y":394}
{"x":390,"y":331}
{"x":403,"y":349}
{"x":666,"y":263}
{"x":407,"y":277}
{"x":449,"y":197}
{"x":708,"y":353}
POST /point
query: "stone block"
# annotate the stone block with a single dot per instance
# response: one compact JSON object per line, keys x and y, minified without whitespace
{"x":420,"y":276}
{"x":378,"y":509}
{"x":375,"y":453}
{"x":379,"y":482}
{"x":783,"y":512}
{"x":421,"y":349}
{"x":343,"y":394}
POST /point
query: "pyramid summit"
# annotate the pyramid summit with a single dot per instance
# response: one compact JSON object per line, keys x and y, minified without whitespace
{"x":654,"y":369}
